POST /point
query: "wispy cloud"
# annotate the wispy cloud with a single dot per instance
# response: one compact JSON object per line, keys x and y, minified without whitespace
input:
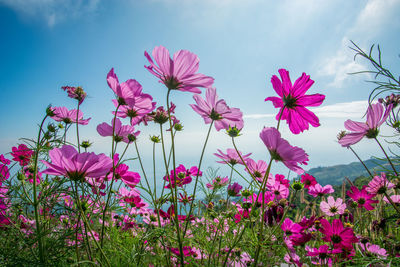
{"x":354,"y":109}
{"x":51,"y":12}
{"x":372,"y":19}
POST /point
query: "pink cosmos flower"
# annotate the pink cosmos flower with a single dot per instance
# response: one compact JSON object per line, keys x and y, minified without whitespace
{"x":234,"y":189}
{"x":339,"y":236}
{"x":268,"y":196}
{"x":279,"y":190}
{"x":218,"y":183}
{"x":293,"y":258}
{"x":29,"y":175}
{"x":289,"y":227}
{"x":125,"y":133}
{"x":212,"y":109}
{"x":257,"y":169}
{"x":363,"y":198}
{"x":4,"y":171}
{"x":379,"y":184}
{"x":376,"y":116}
{"x":308,"y":180}
{"x":374,"y":250}
{"x":137,"y":109}
{"x":279,"y":178}
{"x":394,"y":198}
{"x":126,"y":91}
{"x":75,"y":93}
{"x":332,"y":207}
{"x":322,"y":255}
{"x":318,"y":190}
{"x":292,"y":101}
{"x":231,"y":157}
{"x":178,"y":73}
{"x":281,"y":150}
{"x":66,"y":161}
{"x":22,"y":154}
{"x":129,"y":178}
{"x":182,"y":176}
{"x":62,"y":114}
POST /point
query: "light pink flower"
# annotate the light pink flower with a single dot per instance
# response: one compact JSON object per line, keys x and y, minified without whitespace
{"x":62,"y":114}
{"x":318,"y":190}
{"x":124,"y":133}
{"x":394,"y":198}
{"x":379,"y":184}
{"x":231,"y":157}
{"x":257,"y":169}
{"x":75,"y":93}
{"x":178,"y":73}
{"x":374,"y":249}
{"x":332,"y":207}
{"x":292,"y":100}
{"x":281,"y":150}
{"x":126,"y":91}
{"x":376,"y":116}
{"x":137,"y":109}
{"x":66,"y":161}
{"x":212,"y":109}
{"x":218,"y":183}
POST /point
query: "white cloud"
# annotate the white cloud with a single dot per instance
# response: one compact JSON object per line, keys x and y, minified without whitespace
{"x":354,"y":109}
{"x":51,"y":12}
{"x":373,"y":18}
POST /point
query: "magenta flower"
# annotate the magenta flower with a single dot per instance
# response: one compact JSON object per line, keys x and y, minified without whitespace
{"x":319,"y":191}
{"x":374,"y":250}
{"x":308,"y":180}
{"x":75,"y":93}
{"x":339,"y":236}
{"x":66,"y":161}
{"x":22,"y":154}
{"x":376,"y":116}
{"x":182,"y":176}
{"x":4,"y":171}
{"x":257,"y":169}
{"x":29,"y":175}
{"x":136,"y":109}
{"x":178,"y":73}
{"x":332,"y":207}
{"x":268,"y":196}
{"x":379,"y":184}
{"x":279,"y":190}
{"x":281,"y":150}
{"x":292,"y":101}
{"x":231,"y":157}
{"x":362,"y":198}
{"x":129,"y":178}
{"x":234,"y":189}
{"x":289,"y":227}
{"x":62,"y":114}
{"x":124,"y":133}
{"x":218,"y":183}
{"x":212,"y":109}
{"x":126,"y":91}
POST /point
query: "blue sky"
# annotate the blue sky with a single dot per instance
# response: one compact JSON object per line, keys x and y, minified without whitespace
{"x":46,"y":44}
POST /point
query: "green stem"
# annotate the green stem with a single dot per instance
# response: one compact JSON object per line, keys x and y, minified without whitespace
{"x":35,"y":200}
{"x":175,"y":198}
{"x":352,"y":150}
{"x":197,"y":179}
{"x":384,"y":152}
{"x":77,"y":129}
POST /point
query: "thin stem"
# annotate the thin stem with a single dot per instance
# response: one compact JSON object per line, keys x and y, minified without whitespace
{"x":384,"y":152}
{"x":175,"y":199}
{"x":197,"y":178}
{"x":352,"y":150}
{"x":35,"y":200}
{"x":77,"y":129}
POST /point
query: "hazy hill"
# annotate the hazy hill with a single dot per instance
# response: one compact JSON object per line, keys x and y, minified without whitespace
{"x":334,"y":175}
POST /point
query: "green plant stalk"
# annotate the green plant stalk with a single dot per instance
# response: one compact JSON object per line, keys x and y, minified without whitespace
{"x":77,"y":129}
{"x":197,"y":179}
{"x":35,"y":200}
{"x":384,"y":152}
{"x":175,"y":199}
{"x":112,"y":179}
{"x":362,"y":162}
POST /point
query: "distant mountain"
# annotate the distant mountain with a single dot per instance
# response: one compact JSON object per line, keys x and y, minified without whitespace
{"x":335,"y":175}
